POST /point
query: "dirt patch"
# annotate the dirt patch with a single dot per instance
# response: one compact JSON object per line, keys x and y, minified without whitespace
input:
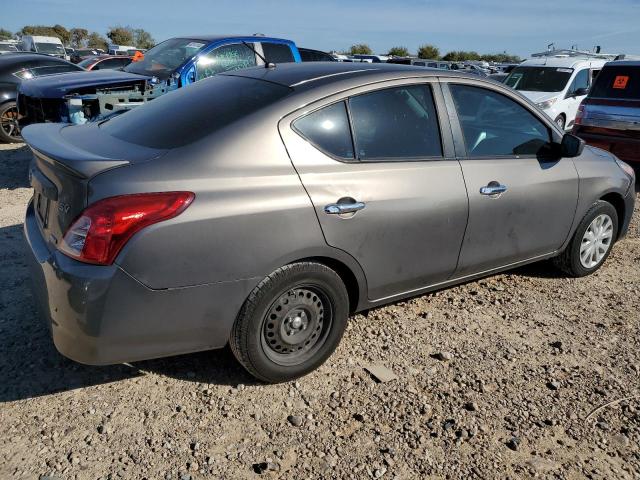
{"x":496,"y":378}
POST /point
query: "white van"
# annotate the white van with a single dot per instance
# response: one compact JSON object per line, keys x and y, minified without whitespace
{"x":48,"y":45}
{"x":557,"y":81}
{"x":122,"y":50}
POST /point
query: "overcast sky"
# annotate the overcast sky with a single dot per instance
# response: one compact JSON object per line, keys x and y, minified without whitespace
{"x":487,"y":26}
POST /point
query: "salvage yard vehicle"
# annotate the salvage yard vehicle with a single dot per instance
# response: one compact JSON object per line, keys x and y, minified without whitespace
{"x":360,"y":185}
{"x":609,"y":118}
{"x":48,"y":45}
{"x":557,"y":81}
{"x":105,"y":62}
{"x":170,"y":65}
{"x":14,"y":68}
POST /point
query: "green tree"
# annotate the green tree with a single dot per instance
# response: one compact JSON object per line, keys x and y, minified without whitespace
{"x":120,"y":35}
{"x":142,"y":38}
{"x":56,"y":31}
{"x":360,"y":49}
{"x":399,"y":51}
{"x":95,"y":40}
{"x":62,"y":33}
{"x":5,"y":34}
{"x":79,"y":37}
{"x":429,"y":52}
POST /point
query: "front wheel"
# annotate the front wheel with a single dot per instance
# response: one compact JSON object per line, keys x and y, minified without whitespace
{"x":291,"y":322}
{"x":9,"y":129}
{"x":592,"y":241}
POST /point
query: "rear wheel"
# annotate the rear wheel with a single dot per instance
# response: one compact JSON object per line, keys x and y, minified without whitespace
{"x":9,"y":129}
{"x":291,"y":322}
{"x":592,"y":242}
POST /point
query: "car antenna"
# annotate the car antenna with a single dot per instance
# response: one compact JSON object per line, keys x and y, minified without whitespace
{"x":266,"y":64}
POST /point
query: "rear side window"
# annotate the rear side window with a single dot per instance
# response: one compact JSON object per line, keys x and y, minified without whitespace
{"x":224,"y":59}
{"x":494,"y":125}
{"x":396,"y":123}
{"x":277,"y":52}
{"x":188,"y":114}
{"x":615,"y":82}
{"x":328,"y":129}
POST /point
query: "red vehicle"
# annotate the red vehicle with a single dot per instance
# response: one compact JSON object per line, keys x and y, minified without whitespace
{"x":105,"y":62}
{"x":609,"y":117}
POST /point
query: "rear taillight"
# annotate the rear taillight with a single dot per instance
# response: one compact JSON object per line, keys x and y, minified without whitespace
{"x":98,"y":235}
{"x":579,"y":114}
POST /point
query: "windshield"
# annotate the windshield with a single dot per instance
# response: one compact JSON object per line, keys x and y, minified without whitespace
{"x":195,"y":112}
{"x":539,"y":79}
{"x":49,"y":48}
{"x":164,"y":58}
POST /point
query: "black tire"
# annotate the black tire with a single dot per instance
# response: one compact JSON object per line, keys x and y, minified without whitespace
{"x":9,"y":130}
{"x":561,"y":122}
{"x":263,"y":329}
{"x":569,"y":260}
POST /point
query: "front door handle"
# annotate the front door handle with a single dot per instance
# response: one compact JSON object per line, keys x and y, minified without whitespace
{"x":340,"y":208}
{"x":493,"y":188}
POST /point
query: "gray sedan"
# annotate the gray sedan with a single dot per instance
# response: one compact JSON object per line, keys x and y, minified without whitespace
{"x":261,"y":207}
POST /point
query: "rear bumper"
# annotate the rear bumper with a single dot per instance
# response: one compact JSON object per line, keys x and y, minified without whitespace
{"x":100,"y":315}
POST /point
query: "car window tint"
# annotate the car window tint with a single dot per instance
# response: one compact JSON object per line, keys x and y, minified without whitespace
{"x":328,"y":129}
{"x":110,"y":63}
{"x":495,"y":125}
{"x":224,"y":59}
{"x":186,"y":115}
{"x":581,"y":80}
{"x":617,"y":82}
{"x":396,"y":123}
{"x":277,"y":52}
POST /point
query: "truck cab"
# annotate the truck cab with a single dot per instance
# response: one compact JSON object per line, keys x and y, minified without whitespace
{"x":48,"y":45}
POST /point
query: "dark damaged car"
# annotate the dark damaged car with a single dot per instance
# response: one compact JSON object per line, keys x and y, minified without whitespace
{"x":169,"y":65}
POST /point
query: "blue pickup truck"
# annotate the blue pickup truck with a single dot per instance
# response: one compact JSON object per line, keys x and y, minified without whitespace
{"x":177,"y":62}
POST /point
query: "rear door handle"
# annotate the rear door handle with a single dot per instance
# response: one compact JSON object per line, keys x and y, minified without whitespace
{"x":340,"y":208}
{"x":493,"y":188}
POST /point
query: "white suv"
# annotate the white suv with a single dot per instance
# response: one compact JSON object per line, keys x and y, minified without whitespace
{"x":557,"y":83}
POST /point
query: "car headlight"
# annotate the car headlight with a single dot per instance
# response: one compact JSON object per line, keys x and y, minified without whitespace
{"x":546,"y":104}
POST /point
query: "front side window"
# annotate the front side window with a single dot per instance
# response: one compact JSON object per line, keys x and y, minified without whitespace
{"x":225,"y":59}
{"x":581,"y":80}
{"x":396,"y":123}
{"x":539,"y":79}
{"x":328,"y":129}
{"x":494,"y":125}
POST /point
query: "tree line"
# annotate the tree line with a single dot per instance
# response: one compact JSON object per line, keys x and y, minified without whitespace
{"x":431,"y":52}
{"x":82,"y":38}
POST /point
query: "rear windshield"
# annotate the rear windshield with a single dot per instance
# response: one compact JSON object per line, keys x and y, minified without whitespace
{"x":539,"y":79}
{"x":193,"y":112}
{"x":618,"y":82}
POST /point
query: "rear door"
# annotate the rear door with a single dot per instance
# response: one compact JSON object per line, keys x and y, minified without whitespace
{"x":379,"y":166}
{"x":522,"y":200}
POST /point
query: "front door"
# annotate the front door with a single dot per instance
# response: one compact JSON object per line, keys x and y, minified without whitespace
{"x":521,"y":200}
{"x":384,"y":182}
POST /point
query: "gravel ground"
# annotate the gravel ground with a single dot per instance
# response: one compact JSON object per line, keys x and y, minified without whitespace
{"x":515,"y":376}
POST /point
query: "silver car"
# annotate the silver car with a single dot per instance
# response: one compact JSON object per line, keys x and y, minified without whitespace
{"x":261,"y":207}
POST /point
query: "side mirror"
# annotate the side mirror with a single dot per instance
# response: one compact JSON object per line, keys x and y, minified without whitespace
{"x":571,"y":146}
{"x":580,"y":92}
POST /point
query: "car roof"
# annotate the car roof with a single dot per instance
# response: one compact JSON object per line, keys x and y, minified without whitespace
{"x":18,"y":58}
{"x":560,"y":61}
{"x":215,"y":38}
{"x":312,"y":74}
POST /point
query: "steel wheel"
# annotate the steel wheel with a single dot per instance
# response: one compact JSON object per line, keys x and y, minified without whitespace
{"x":296,"y":325}
{"x":9,"y":129}
{"x":596,"y":241}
